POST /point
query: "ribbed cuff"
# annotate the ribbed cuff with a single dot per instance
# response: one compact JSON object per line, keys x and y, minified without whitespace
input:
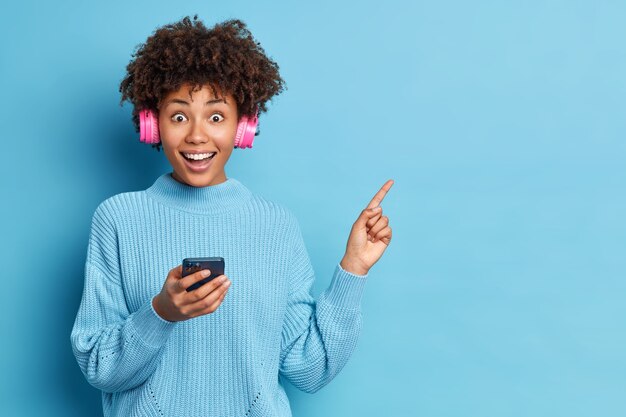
{"x":346,"y":289}
{"x":151,"y":328}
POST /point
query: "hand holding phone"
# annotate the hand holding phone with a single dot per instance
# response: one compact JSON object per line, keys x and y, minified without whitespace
{"x":213,"y":264}
{"x":177,"y":302}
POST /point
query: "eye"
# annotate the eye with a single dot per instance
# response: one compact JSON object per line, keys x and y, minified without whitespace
{"x":216,"y":117}
{"x":179,"y":117}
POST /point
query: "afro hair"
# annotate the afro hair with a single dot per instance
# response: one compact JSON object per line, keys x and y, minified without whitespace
{"x":186,"y":52}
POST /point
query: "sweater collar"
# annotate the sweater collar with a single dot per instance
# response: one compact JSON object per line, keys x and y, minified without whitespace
{"x":228,"y":195}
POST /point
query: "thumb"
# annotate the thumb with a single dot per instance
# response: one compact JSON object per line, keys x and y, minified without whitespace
{"x":366,"y":215}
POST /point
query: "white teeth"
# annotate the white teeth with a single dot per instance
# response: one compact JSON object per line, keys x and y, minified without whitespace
{"x":198,"y":156}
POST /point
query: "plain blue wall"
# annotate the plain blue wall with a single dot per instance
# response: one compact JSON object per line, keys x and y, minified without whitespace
{"x":502,"y":124}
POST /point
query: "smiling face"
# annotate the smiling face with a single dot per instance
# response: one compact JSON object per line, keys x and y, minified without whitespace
{"x":194,"y":127}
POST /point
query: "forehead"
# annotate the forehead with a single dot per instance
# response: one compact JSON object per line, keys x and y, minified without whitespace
{"x":191,"y":93}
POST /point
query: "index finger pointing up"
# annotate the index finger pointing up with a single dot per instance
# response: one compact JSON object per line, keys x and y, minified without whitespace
{"x":378,"y":198}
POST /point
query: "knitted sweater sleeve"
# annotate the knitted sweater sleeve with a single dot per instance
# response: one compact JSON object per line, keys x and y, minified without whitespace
{"x":116,"y":349}
{"x":318,"y":337}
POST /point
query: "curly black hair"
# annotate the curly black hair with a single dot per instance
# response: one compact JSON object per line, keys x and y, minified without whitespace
{"x":185,"y":52}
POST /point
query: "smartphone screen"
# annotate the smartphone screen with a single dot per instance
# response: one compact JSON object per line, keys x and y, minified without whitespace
{"x":214,"y":264}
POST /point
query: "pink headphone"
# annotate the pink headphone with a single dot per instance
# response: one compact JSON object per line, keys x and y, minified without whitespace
{"x":149,"y":128}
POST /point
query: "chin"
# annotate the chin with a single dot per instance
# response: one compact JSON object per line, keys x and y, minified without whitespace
{"x":196,"y":180}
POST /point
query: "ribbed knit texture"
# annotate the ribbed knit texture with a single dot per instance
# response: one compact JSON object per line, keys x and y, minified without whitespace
{"x":228,"y":363}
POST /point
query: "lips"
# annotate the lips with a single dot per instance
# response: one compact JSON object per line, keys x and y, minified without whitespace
{"x":198,"y":166}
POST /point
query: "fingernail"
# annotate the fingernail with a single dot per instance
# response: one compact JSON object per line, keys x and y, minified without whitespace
{"x":227,"y":284}
{"x":205,"y":273}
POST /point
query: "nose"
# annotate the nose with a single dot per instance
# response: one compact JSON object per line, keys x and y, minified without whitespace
{"x":196,"y":134}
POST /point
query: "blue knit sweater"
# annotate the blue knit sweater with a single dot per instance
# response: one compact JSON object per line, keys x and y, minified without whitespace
{"x":228,"y":363}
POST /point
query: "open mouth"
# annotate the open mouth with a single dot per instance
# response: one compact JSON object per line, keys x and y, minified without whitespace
{"x":198,"y":161}
{"x":193,"y":157}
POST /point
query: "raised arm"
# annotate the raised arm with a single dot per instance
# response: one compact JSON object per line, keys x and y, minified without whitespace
{"x":318,"y":337}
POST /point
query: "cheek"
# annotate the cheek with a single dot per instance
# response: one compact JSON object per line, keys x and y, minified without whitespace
{"x":169,"y":144}
{"x":226,"y":136}
{"x":163,"y":131}
{"x":169,"y":137}
{"x":171,"y":156}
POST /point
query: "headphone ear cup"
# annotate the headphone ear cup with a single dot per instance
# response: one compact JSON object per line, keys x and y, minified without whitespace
{"x":246,"y":129}
{"x":148,"y":127}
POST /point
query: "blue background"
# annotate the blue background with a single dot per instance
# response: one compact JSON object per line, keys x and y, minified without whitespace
{"x":502,"y":124}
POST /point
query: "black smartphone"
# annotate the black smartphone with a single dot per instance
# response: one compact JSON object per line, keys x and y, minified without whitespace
{"x":214,"y":264}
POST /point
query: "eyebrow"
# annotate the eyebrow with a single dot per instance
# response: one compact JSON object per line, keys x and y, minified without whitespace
{"x":184,"y":103}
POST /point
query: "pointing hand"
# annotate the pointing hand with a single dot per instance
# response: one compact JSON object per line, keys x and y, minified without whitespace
{"x":370,"y":236}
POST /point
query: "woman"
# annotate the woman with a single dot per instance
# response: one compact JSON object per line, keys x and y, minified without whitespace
{"x":154,"y":348}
